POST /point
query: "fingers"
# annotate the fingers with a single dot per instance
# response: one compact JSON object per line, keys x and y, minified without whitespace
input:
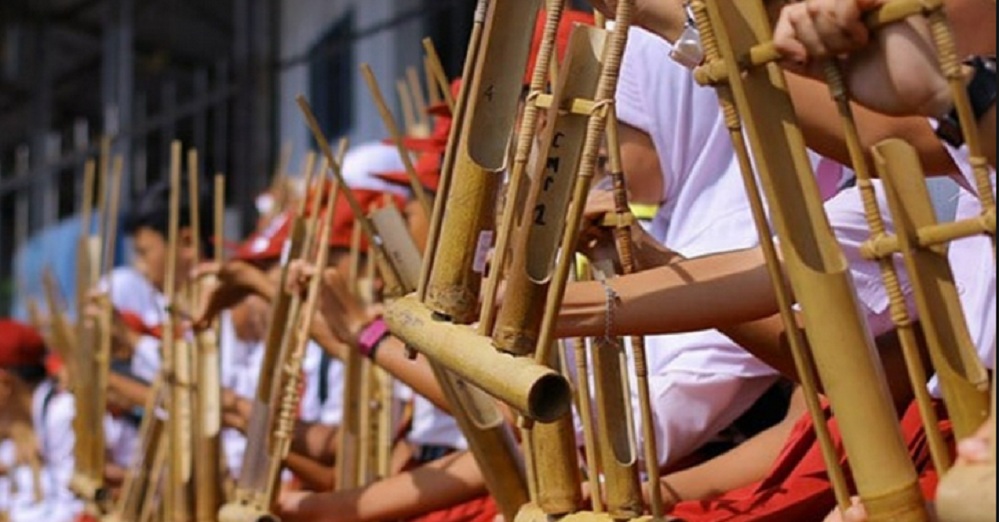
{"x":973,"y":450}
{"x":818,"y":29}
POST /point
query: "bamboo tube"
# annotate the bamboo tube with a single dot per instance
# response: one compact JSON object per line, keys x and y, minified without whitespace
{"x":208,"y":410}
{"x":406,"y":100}
{"x":458,"y":110}
{"x":951,"y":66}
{"x":803,"y":361}
{"x":481,"y":152}
{"x":525,"y":142}
{"x":963,"y":380}
{"x":546,"y":210}
{"x":618,"y":458}
{"x":534,"y":390}
{"x":393,"y":130}
{"x":292,"y":365}
{"x":556,"y":465}
{"x":584,"y":405}
{"x":817,"y":271}
{"x":606,"y":87}
{"x":622,"y":239}
{"x":435,"y":70}
{"x":419,"y":100}
{"x":178,"y":501}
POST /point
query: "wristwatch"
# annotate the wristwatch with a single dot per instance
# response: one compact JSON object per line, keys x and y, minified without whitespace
{"x":371,"y":337}
{"x":981,"y":92}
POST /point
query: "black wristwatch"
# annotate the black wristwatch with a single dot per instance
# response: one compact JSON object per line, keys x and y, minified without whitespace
{"x":981,"y":92}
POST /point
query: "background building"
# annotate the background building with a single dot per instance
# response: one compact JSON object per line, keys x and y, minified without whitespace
{"x":221,"y":76}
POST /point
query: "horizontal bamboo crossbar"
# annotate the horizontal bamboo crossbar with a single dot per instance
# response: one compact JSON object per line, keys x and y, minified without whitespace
{"x":932,"y":235}
{"x":536,"y":391}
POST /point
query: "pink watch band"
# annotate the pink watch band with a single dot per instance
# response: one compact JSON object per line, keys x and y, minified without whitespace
{"x":371,"y":337}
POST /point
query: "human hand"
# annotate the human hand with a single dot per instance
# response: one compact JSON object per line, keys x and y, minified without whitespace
{"x":976,"y":449}
{"x":236,"y":280}
{"x":343,"y":310}
{"x":663,"y":17}
{"x":894,"y":70}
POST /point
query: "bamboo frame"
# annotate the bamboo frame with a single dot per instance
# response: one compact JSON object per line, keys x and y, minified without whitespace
{"x":842,"y":347}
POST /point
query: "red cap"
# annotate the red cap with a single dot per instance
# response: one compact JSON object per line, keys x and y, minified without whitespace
{"x":436,"y":142}
{"x":20,"y":345}
{"x":266,"y":243}
{"x":569,"y":19}
{"x":441,"y":108}
{"x":428,"y":170}
{"x":343,"y":217}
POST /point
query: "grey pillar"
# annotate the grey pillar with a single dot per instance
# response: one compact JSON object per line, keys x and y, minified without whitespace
{"x":117,"y":84}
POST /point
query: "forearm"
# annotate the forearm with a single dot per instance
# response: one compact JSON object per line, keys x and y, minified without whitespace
{"x":747,"y":463}
{"x":690,"y":295}
{"x":439,"y":484}
{"x":314,"y":475}
{"x":415,"y":373}
{"x":315,"y":441}
{"x":128,"y":390}
{"x":821,"y":125}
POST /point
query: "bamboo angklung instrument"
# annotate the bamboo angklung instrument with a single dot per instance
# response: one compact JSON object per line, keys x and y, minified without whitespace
{"x":92,"y":355}
{"x":615,"y":443}
{"x":291,"y":367}
{"x":534,"y":390}
{"x":488,"y":436}
{"x":899,"y":310}
{"x":816,"y":268}
{"x":258,"y":481}
{"x":963,"y":380}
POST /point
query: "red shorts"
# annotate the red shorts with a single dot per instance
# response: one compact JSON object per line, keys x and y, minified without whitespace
{"x":797,"y":488}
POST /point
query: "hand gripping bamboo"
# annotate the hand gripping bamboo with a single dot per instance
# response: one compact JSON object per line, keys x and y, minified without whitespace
{"x":841,"y":346}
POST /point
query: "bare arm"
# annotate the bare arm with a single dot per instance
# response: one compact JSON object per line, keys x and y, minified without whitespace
{"x":821,"y":125}
{"x":690,"y":295}
{"x":439,"y":484}
{"x":746,"y":463}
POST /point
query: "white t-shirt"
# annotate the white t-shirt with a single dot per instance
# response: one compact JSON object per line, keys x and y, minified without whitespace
{"x":433,"y":427}
{"x":52,"y":417}
{"x":324,"y":410}
{"x":240,"y":368}
{"x":974,"y":268}
{"x":704,"y":208}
